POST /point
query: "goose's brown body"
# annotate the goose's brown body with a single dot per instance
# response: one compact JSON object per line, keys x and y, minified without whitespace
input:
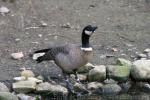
{"x":69,"y":57}
{"x":74,"y":59}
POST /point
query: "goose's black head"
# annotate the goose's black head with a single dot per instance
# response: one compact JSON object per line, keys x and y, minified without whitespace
{"x":87,"y":32}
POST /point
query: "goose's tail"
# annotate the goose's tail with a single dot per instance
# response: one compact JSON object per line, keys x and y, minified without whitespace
{"x":40,"y":55}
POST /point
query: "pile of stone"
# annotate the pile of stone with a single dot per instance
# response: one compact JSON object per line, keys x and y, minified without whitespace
{"x":27,"y":87}
{"x":95,"y":79}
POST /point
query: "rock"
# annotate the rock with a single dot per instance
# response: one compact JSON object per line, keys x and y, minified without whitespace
{"x":98,"y":73}
{"x":3,"y":88}
{"x":92,"y":5}
{"x":147,"y":50}
{"x":27,"y":73}
{"x":20,"y":78}
{"x":8,"y":96}
{"x":40,"y":77}
{"x":67,"y":25}
{"x":34,"y":79}
{"x":28,"y":79}
{"x":85,"y":68}
{"x":144,"y":86}
{"x":40,"y":35}
{"x":17,"y":39}
{"x":148,"y":54}
{"x":25,"y":97}
{"x":125,"y":86}
{"x":4,"y":10}
{"x":43,"y":24}
{"x":141,"y":55}
{"x":141,"y":70}
{"x":119,"y":73}
{"x":110,"y":81}
{"x":109,"y":55}
{"x":17,"y":55}
{"x":52,"y":88}
{"x":92,"y":86}
{"x":109,"y":89}
{"x":78,"y":87}
{"x":114,"y":49}
{"x":24,"y":86}
{"x":124,"y":62}
{"x":82,"y":77}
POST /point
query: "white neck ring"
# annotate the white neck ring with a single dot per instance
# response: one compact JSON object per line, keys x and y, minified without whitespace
{"x":87,"y":49}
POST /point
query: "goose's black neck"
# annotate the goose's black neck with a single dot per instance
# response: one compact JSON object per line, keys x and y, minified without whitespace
{"x":85,"y":40}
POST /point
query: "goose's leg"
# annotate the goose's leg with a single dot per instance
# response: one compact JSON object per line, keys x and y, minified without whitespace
{"x":68,"y":84}
{"x":78,"y":80}
{"x":76,"y":77}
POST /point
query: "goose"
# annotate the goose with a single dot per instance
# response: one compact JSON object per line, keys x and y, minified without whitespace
{"x":69,"y":57}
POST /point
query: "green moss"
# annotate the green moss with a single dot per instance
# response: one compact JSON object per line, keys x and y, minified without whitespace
{"x":121,"y":73}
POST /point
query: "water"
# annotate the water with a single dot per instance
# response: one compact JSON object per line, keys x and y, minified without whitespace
{"x":124,"y":96}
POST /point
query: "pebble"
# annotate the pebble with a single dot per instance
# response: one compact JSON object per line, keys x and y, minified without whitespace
{"x":147,"y":50}
{"x":17,"y":39}
{"x":27,"y":73}
{"x":39,"y":35}
{"x":128,"y":44}
{"x":80,"y":88}
{"x":111,"y":89}
{"x":67,"y":25}
{"x":81,"y":77}
{"x":125,"y":86}
{"x":55,"y":37}
{"x":148,"y":55}
{"x":94,"y":85}
{"x":144,"y":86}
{"x":17,"y":55}
{"x":114,"y":49}
{"x":43,"y":24}
{"x":19,"y":78}
{"x":4,"y":10}
{"x":3,"y":88}
{"x":25,"y":97}
{"x":110,"y":55}
{"x":92,"y":6}
{"x":110,"y":81}
{"x":141,"y":55}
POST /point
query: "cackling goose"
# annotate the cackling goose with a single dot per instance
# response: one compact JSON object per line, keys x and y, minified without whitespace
{"x":69,"y":57}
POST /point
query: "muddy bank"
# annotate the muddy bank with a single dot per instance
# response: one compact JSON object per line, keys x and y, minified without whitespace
{"x":123,"y":24}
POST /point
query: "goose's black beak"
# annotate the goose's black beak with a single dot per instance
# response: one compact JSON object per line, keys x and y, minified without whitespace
{"x":94,"y":28}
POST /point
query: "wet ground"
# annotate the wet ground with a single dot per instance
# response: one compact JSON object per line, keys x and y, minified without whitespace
{"x":123,"y":25}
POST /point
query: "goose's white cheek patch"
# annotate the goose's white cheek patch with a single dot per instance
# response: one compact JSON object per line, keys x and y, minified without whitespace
{"x":88,"y":32}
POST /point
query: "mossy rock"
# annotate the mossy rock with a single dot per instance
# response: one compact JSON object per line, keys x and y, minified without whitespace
{"x":119,"y":73}
{"x":8,"y":96}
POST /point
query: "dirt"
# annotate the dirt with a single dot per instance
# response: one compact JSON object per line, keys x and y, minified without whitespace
{"x":123,"y":30}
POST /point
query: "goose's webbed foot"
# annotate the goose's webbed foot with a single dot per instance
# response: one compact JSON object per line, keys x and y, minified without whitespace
{"x":69,"y":86}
